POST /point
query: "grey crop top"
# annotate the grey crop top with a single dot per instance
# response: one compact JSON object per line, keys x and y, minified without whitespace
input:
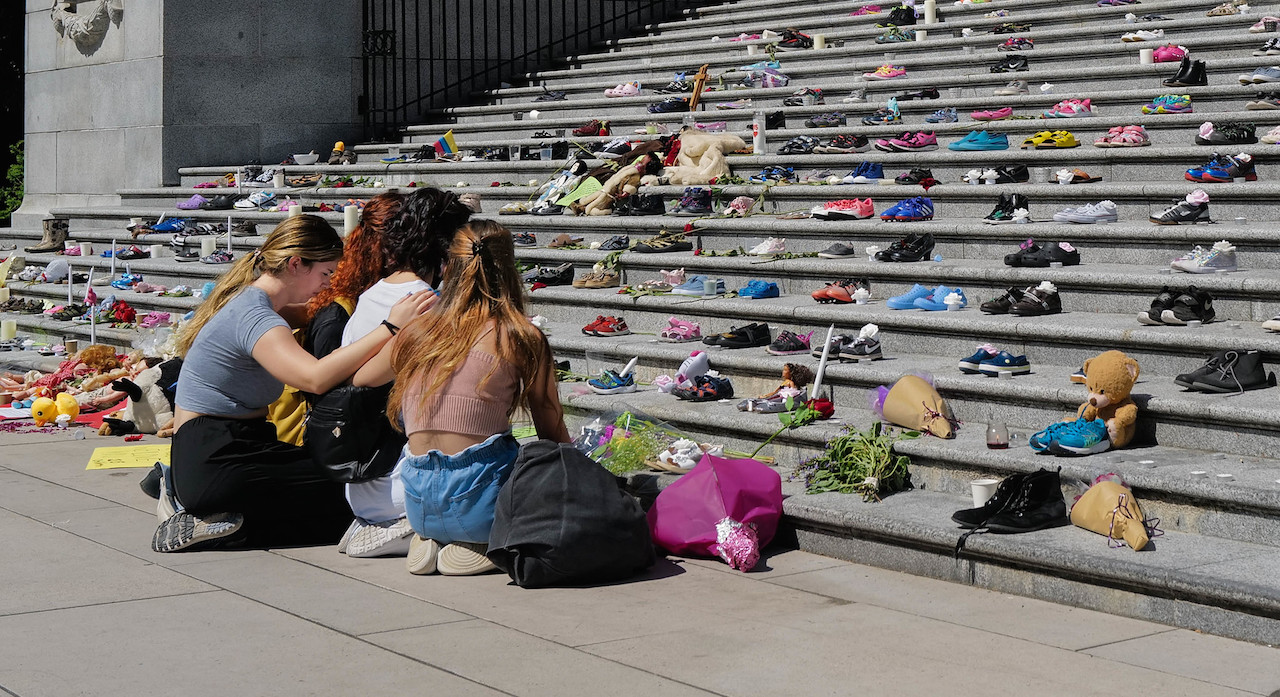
{"x":219,"y":374}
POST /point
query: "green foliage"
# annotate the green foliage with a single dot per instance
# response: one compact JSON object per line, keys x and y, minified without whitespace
{"x":859,"y":462}
{"x":11,"y":189}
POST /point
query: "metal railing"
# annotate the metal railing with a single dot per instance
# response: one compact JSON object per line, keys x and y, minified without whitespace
{"x":422,"y":55}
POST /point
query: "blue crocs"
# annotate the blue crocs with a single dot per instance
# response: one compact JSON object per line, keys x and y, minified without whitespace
{"x":934,"y":302}
{"x":981,"y":140}
{"x":973,"y":364}
{"x":1005,"y":361}
{"x":1081,"y":438}
{"x":759,"y":289}
{"x":907,"y":300}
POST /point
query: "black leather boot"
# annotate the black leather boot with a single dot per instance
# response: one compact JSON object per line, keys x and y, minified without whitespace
{"x":1184,"y":70}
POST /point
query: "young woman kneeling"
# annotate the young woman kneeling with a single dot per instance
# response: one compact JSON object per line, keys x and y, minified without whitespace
{"x":228,"y":470}
{"x":460,"y":373}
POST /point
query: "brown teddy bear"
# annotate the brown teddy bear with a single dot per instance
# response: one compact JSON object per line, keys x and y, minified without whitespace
{"x":1110,"y":377}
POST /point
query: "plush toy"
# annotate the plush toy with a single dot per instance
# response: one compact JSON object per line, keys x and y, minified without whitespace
{"x":626,"y":181}
{"x":47,"y":411}
{"x":701,"y":157}
{"x":1110,"y":377}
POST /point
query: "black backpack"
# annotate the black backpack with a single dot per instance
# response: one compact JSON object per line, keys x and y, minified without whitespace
{"x":562,"y":518}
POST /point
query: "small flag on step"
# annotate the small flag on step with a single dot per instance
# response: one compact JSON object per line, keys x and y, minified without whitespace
{"x":446,"y":145}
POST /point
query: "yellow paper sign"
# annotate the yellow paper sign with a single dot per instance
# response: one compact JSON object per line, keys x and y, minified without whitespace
{"x":128,"y":456}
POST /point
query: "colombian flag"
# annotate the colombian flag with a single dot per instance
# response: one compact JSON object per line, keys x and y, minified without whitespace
{"x":446,"y":145}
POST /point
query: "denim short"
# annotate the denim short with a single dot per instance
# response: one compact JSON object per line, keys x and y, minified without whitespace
{"x":451,"y":498}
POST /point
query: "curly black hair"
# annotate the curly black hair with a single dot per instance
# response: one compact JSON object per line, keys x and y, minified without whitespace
{"x":418,"y":238}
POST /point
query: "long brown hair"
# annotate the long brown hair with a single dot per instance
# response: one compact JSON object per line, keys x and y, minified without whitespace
{"x":481,"y":285}
{"x":307,"y":237}
{"x":363,"y":262}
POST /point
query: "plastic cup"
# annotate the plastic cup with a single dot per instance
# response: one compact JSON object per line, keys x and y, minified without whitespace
{"x":983,"y":490}
{"x":158,"y":250}
{"x":921,"y":34}
{"x":208,"y":245}
{"x":86,"y":249}
{"x":1147,"y":56}
{"x":820,"y":41}
{"x":752,"y":49}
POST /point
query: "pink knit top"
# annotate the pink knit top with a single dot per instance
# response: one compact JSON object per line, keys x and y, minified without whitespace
{"x":466,"y":403}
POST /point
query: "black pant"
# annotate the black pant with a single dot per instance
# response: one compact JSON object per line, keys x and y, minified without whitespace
{"x":237,"y":466}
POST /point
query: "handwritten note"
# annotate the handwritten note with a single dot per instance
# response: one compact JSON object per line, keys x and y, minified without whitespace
{"x":128,"y":456}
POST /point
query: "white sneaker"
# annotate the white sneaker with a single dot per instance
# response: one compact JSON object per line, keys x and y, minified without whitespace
{"x":1221,"y":258}
{"x":423,"y":552}
{"x":1143,"y":35}
{"x":773,"y":245}
{"x":464,"y":559}
{"x":346,"y":536}
{"x":389,"y":539}
{"x":1272,"y":325}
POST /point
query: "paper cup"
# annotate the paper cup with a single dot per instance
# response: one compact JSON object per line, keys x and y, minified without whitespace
{"x":73,"y":346}
{"x":86,"y":249}
{"x":921,"y":35}
{"x":820,"y":41}
{"x":208,"y":245}
{"x":1147,"y":56}
{"x":159,"y":251}
{"x":278,"y":180}
{"x":752,"y":50}
{"x":983,"y":490}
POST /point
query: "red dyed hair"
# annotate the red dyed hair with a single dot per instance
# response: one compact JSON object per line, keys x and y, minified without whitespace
{"x":362,"y":263}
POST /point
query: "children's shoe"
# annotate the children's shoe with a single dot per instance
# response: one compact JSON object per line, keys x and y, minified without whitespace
{"x":612,"y":326}
{"x":680,"y":331}
{"x":1040,"y":440}
{"x":912,"y":209}
{"x":865,"y":173}
{"x":629,"y":89}
{"x":973,"y":364}
{"x":1221,"y":258}
{"x":1123,"y":137}
{"x":942,"y":298}
{"x":907,"y":301}
{"x":919,"y":141}
{"x":885,"y":115}
{"x":1005,"y":362}
{"x":770,"y":247}
{"x":886,"y":72}
{"x":981,"y":140}
{"x":758,"y":290}
{"x":845,"y":209}
{"x":788,"y":343}
{"x":947,"y":115}
{"x":610,"y":382}
{"x":1081,"y":438}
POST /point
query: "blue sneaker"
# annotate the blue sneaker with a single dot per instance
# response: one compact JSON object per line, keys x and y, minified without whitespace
{"x":973,"y":364}
{"x":947,"y":115}
{"x":1081,"y":438}
{"x":762,"y":65}
{"x":692,"y":285}
{"x":999,"y":363}
{"x":171,"y":225}
{"x":907,"y":300}
{"x":610,"y":382}
{"x":934,"y":302}
{"x":865,"y":173}
{"x":1040,"y":441}
{"x":126,"y":281}
{"x":917,"y":208}
{"x":981,"y":140}
{"x":759,"y":289}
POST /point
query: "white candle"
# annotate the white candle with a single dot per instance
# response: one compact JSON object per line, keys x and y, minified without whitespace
{"x":157,"y":251}
{"x":350,"y":218}
{"x":113,"y":258}
{"x":8,"y":329}
{"x":4,"y":295}
{"x":88,"y":286}
{"x":207,"y":246}
{"x":71,"y":283}
{"x":822,"y":364}
{"x":930,"y":11}
{"x":93,"y":327}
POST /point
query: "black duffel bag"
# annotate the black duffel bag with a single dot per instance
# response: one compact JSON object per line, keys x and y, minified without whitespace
{"x":347,"y":433}
{"x":563,"y":519}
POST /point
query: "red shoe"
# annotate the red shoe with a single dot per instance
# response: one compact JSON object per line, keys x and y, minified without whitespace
{"x":591,"y":328}
{"x":593,"y":128}
{"x":612,"y":326}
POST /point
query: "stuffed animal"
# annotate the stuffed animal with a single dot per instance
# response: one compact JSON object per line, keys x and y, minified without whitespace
{"x":1110,"y":377}
{"x":626,"y":181}
{"x":701,"y":157}
{"x":47,"y":411}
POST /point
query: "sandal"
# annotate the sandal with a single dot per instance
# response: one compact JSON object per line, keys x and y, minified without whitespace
{"x":177,"y":292}
{"x":1035,"y":139}
{"x":1058,"y":139}
{"x":706,"y":388}
{"x":1226,"y":8}
{"x":1077,"y":176}
{"x":220,"y":256}
{"x":133,"y":252}
{"x":680,"y":331}
{"x":1123,"y":137}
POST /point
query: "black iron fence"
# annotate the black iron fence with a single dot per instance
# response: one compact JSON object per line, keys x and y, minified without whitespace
{"x":419,"y":55}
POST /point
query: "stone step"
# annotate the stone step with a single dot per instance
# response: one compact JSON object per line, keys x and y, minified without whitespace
{"x":1198,"y":580}
{"x":1067,"y":339}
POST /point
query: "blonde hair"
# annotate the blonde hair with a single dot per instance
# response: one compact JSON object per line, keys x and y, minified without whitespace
{"x":307,"y":237}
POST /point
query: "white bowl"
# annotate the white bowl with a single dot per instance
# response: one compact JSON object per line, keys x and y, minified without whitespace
{"x":308,"y":159}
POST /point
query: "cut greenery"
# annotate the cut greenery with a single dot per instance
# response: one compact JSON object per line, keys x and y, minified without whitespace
{"x":859,"y":462}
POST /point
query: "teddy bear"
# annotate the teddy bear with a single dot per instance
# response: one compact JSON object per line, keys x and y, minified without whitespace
{"x":1109,"y":377}
{"x":702,"y":157}
{"x":627,"y":181}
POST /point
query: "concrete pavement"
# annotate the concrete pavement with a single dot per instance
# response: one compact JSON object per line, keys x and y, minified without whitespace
{"x":88,"y":609}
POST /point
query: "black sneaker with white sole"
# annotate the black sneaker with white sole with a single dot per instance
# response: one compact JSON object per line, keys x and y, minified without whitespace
{"x":1050,"y":254}
{"x":561,"y":275}
{"x":1163,"y":301}
{"x":838,"y":250}
{"x":1192,"y":304}
{"x":862,"y":349}
{"x":1183,"y":213}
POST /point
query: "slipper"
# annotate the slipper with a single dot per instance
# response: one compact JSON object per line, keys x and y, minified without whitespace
{"x":1035,"y":139}
{"x":1078,"y":176}
{"x":1058,"y":139}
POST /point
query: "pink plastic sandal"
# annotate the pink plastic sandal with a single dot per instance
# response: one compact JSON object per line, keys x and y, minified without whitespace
{"x":1123,"y":137}
{"x":680,"y":331}
{"x":992,"y":114}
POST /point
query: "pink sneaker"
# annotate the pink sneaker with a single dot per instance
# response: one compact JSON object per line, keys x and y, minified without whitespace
{"x":674,"y":277}
{"x":1169,"y":54}
{"x":992,"y":114}
{"x":886,"y":72}
{"x":1070,"y":108}
{"x":630,"y":89}
{"x":1261,"y":25}
{"x":920,"y":141}
{"x":845,"y":209}
{"x":713,"y":127}
{"x":866,"y":10}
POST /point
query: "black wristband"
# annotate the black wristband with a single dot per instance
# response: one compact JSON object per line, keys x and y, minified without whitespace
{"x":390,"y":327}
